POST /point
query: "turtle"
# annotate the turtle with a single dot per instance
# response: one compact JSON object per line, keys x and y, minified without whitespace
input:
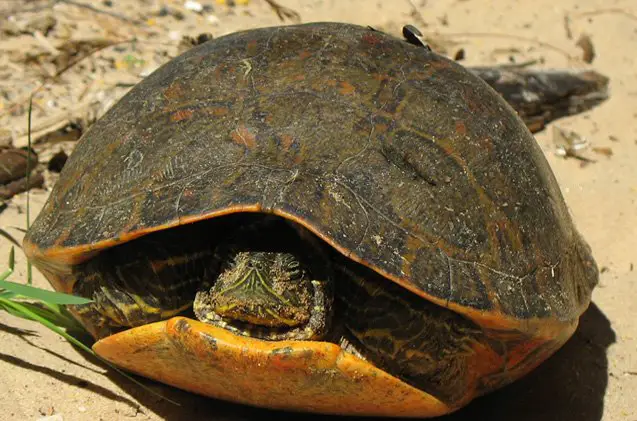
{"x":318,"y":217}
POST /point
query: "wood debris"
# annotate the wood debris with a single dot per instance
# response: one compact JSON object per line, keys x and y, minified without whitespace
{"x":541,"y":96}
{"x":14,"y":166}
{"x":569,"y":144}
{"x":586,"y":44}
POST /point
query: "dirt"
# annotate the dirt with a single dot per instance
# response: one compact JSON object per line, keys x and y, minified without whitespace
{"x":593,"y":377}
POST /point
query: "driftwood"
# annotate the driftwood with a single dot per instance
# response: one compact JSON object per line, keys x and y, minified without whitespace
{"x":13,"y":170}
{"x":9,"y":190}
{"x":13,"y":164}
{"x":540,"y":96}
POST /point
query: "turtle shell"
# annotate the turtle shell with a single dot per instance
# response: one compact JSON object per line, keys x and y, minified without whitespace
{"x":398,"y":158}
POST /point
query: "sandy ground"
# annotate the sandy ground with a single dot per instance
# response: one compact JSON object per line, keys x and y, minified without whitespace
{"x":594,"y":377}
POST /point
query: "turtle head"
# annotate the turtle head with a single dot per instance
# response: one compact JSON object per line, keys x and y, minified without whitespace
{"x":273,"y":282}
{"x":264,"y":289}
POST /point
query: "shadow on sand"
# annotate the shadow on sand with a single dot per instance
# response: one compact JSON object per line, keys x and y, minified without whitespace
{"x":570,"y":385}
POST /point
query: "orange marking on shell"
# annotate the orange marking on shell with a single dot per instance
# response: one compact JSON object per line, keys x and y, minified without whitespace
{"x":461,"y":128}
{"x":347,"y":88}
{"x":181,"y":115}
{"x":295,"y":375}
{"x":380,"y":128}
{"x":221,"y":69}
{"x":512,"y":233}
{"x":62,"y":237}
{"x":300,"y":76}
{"x":486,"y":359}
{"x":217,"y":111}
{"x":135,"y":213}
{"x":174,"y":92}
{"x":286,"y":141}
{"x":371,"y":39}
{"x":494,"y":298}
{"x":448,"y":148}
{"x":486,"y":143}
{"x":330,"y":82}
{"x":440,"y":64}
{"x":524,"y":354}
{"x":483,"y":362}
{"x":298,"y":158}
{"x":492,"y":227}
{"x":251,"y":46}
{"x":242,"y":136}
{"x":471,"y":101}
{"x":412,"y":246}
{"x":492,"y":231}
{"x":304,"y":54}
{"x":112,"y":147}
{"x":381,"y":77}
{"x":518,"y":353}
{"x":448,"y":248}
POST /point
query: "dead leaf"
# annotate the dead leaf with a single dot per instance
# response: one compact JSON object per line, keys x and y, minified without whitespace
{"x":567,"y":26}
{"x":606,"y":151}
{"x":569,"y":144}
{"x":586,"y":44}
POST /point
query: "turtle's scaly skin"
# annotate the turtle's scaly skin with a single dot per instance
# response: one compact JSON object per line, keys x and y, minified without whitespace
{"x":398,"y":158}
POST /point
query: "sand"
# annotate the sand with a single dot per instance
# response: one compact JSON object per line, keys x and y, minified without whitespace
{"x":594,"y":377}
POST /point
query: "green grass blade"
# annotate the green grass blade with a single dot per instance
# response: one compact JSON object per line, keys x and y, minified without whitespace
{"x":9,"y":271}
{"x":6,"y":306}
{"x":26,"y":312}
{"x":28,"y":216}
{"x":59,"y":319}
{"x":12,"y":258}
{"x":7,"y":295}
{"x":43,"y":294}
{"x":53,"y":308}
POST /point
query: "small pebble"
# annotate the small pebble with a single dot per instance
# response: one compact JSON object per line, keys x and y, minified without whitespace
{"x":195,"y":6}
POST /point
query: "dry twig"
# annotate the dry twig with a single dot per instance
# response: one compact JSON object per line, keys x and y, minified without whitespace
{"x":616,"y":11}
{"x":542,"y":44}
{"x":101,"y":11}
